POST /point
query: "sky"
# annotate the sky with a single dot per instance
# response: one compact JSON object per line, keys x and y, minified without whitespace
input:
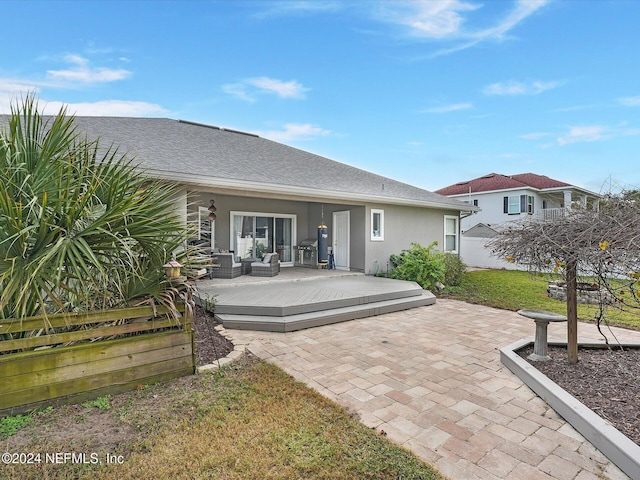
{"x":430,"y":93}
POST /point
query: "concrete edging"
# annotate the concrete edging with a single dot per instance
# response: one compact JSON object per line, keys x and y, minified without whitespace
{"x":603,"y":435}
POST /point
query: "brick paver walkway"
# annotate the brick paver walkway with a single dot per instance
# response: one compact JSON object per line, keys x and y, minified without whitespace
{"x":431,"y":378}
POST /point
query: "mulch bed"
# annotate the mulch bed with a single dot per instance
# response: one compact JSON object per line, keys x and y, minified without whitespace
{"x":210,"y":344}
{"x":606,"y":381}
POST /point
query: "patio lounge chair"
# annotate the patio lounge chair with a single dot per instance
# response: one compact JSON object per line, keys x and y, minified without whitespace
{"x":268,"y":267}
{"x":228,"y":268}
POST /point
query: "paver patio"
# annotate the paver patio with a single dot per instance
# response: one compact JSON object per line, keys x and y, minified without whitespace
{"x":431,"y":378}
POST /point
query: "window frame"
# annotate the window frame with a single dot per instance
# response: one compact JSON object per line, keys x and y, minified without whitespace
{"x":456,"y":234}
{"x":379,"y":237}
{"x":517,"y":204}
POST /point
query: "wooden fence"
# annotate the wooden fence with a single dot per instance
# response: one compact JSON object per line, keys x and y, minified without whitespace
{"x":94,"y":359}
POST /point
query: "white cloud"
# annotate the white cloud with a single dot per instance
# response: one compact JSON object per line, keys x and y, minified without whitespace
{"x":630,"y":101}
{"x":107,"y":108}
{"x":534,"y":135}
{"x":522,"y":10}
{"x":450,"y":108}
{"x":449,"y":20}
{"x":11,"y":90}
{"x":238,"y":90}
{"x":573,"y":109}
{"x":589,"y":133}
{"x":434,"y":19}
{"x":295,"y":131}
{"x":519,"y":88}
{"x":297,"y":8}
{"x":81,"y":72}
{"x":250,"y":87}
{"x":291,"y":89}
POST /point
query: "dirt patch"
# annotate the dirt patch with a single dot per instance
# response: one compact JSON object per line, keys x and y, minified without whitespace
{"x":85,"y":427}
{"x":606,"y":381}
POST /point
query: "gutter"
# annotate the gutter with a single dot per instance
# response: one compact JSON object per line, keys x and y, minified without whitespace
{"x":292,"y":190}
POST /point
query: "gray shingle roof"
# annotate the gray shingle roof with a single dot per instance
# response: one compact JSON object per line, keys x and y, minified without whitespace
{"x":168,"y":148}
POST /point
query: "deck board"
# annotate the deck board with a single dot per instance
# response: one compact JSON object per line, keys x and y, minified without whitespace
{"x":309,"y":295}
{"x":290,"y":305}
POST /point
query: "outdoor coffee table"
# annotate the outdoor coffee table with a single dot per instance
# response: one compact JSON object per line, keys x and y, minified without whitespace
{"x":246,"y":265}
{"x":542,"y":319}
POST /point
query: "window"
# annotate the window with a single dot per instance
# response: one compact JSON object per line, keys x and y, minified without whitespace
{"x":377,"y":225}
{"x":517,"y":204}
{"x":450,"y":234}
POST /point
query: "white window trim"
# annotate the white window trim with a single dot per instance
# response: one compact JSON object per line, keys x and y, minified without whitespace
{"x":294,"y":228}
{"x":456,"y":234}
{"x":515,"y":211}
{"x":380,"y":236}
{"x":203,"y":214}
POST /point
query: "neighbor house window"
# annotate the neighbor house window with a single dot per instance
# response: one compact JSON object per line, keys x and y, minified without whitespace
{"x":377,"y":225}
{"x":451,"y":234}
{"x":516,"y":204}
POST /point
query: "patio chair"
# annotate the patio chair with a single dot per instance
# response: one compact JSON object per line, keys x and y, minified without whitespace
{"x":268,"y":267}
{"x":228,"y":267}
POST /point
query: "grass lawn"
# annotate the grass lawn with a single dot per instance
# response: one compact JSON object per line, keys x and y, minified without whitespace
{"x":515,"y":290}
{"x":250,"y":420}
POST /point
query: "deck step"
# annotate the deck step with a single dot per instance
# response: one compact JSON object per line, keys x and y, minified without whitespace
{"x":299,"y":321}
{"x":278,"y":299}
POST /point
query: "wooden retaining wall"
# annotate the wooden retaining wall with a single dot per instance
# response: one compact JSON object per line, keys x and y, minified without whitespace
{"x":89,"y":362}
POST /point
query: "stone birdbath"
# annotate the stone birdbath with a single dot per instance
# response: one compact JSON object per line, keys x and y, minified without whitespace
{"x":542,"y":319}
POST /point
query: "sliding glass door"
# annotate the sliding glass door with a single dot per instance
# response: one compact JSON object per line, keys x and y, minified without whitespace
{"x":254,"y":234}
{"x":283,"y":234}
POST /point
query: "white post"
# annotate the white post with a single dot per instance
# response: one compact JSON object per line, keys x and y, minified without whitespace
{"x":583,"y":201}
{"x":567,"y":199}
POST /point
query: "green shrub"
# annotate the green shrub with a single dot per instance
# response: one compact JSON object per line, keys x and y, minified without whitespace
{"x":419,"y":264}
{"x":454,"y":269}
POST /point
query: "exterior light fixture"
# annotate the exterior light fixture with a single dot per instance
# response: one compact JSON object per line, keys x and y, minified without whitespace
{"x":172,"y":269}
{"x":212,"y":210}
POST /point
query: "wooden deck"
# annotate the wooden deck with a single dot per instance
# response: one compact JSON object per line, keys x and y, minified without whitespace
{"x":283,"y":306}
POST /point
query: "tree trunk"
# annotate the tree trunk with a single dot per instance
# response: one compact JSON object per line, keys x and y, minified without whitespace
{"x":572,"y":312}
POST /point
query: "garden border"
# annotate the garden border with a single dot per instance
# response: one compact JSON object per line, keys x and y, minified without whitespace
{"x":602,"y":434}
{"x":109,"y":351}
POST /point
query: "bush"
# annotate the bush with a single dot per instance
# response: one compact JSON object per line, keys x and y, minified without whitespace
{"x":419,"y":264}
{"x":454,"y":269}
{"x":81,"y":227}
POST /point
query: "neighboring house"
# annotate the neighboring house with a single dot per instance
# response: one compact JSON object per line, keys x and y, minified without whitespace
{"x":505,"y":198}
{"x":271,"y":197}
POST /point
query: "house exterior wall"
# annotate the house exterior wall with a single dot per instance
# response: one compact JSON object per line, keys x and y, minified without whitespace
{"x":402,"y":226}
{"x":179,"y":200}
{"x":227,"y":203}
{"x":356,"y":229}
{"x":492,"y":206}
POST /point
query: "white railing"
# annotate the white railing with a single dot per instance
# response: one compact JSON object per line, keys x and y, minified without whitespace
{"x":551,"y":213}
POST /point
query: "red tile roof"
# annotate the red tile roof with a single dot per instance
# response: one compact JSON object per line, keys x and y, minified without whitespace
{"x":497,"y":181}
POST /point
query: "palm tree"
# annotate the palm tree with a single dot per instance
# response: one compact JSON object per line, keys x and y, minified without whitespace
{"x":81,"y":227}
